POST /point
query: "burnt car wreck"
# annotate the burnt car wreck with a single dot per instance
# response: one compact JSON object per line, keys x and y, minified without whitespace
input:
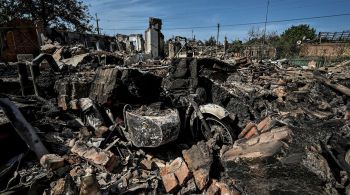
{"x":185,"y":126}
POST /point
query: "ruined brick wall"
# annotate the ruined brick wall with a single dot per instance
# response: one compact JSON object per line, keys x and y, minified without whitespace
{"x":19,"y":37}
{"x":325,"y":50}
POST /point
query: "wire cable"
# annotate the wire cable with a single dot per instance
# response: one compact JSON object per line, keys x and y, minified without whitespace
{"x":240,"y":24}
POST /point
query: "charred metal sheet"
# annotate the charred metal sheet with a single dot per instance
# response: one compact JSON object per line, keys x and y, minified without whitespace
{"x":153,"y":131}
{"x":215,"y":110}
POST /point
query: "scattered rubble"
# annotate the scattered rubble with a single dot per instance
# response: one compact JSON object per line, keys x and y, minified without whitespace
{"x":199,"y":159}
{"x":115,"y":123}
{"x":98,"y":157}
{"x":52,"y":161}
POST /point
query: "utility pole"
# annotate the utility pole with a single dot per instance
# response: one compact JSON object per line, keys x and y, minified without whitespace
{"x":97,"y":26}
{"x":217,"y":38}
{"x":225,"y":44}
{"x":192,"y":34}
{"x":264,"y":36}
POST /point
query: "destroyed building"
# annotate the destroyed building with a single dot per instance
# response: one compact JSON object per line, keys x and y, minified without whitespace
{"x":154,"y":39}
{"x":88,"y":40}
{"x":174,"y":48}
{"x":258,"y":51}
{"x":130,"y":43}
{"x":85,"y":120}
{"x":136,"y":42}
{"x":108,"y":128}
{"x":178,"y":47}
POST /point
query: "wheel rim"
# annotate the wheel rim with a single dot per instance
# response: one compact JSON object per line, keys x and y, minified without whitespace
{"x":221,"y":129}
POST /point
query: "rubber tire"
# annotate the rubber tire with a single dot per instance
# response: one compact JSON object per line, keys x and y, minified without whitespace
{"x":230,"y":132}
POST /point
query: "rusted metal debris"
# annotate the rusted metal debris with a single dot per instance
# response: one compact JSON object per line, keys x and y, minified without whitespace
{"x":101,"y":124}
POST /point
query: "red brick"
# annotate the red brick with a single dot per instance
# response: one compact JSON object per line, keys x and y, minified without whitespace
{"x":52,"y":161}
{"x":174,"y":174}
{"x":169,"y":180}
{"x":97,"y":156}
{"x":265,"y":123}
{"x":180,"y":170}
{"x":201,"y":177}
{"x":253,"y":131}
{"x":247,"y":128}
{"x":212,"y":189}
{"x":225,"y":190}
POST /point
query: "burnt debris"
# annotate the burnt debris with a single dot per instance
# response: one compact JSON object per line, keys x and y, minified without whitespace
{"x":96,"y":122}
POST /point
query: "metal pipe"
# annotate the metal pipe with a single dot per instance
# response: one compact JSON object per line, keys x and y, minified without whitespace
{"x":25,"y":130}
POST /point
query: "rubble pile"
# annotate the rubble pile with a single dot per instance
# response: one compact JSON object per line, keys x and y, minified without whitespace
{"x":105,"y":123}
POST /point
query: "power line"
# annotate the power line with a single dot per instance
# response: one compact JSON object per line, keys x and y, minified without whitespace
{"x":241,"y":24}
{"x":263,"y":22}
{"x":124,"y":28}
{"x":288,"y":5}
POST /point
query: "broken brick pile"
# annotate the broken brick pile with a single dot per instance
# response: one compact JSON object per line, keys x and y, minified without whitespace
{"x":289,"y":127}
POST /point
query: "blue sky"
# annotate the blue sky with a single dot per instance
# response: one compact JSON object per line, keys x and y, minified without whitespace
{"x":131,"y":16}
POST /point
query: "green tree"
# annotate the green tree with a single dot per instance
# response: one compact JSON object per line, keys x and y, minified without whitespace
{"x":272,"y":37}
{"x":289,"y":38}
{"x":69,"y":14}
